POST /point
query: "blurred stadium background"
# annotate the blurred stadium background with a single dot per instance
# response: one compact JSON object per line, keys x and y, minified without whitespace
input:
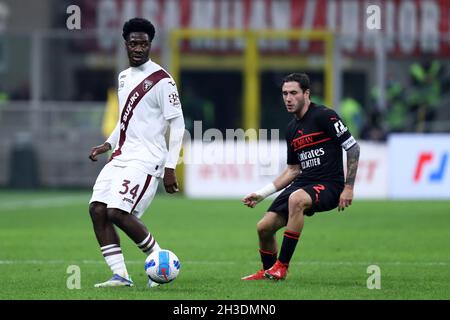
{"x":228,"y":58}
{"x":391,"y":86}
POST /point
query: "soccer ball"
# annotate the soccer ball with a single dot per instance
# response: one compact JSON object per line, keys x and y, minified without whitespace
{"x":162,"y":266}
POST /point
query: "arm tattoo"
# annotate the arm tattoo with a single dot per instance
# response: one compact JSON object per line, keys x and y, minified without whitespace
{"x":352,"y":164}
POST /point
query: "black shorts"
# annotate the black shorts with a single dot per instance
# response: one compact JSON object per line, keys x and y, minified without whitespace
{"x":324,"y":195}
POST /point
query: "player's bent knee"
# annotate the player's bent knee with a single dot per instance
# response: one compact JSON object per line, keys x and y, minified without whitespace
{"x":264,"y":228}
{"x":298,"y":201}
{"x":261,"y":227}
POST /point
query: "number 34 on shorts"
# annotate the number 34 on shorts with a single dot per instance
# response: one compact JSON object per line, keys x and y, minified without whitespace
{"x":125,"y":188}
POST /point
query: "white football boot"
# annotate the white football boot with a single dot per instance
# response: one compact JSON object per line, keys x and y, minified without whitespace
{"x":115,"y":281}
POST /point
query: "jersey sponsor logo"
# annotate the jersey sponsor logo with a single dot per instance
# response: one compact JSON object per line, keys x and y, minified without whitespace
{"x":172,"y":83}
{"x":314,"y":162}
{"x":130,"y":106}
{"x":305,"y":155}
{"x":132,"y":101}
{"x":311,"y":158}
{"x":147,"y":85}
{"x":308,"y":140}
{"x":340,"y":128}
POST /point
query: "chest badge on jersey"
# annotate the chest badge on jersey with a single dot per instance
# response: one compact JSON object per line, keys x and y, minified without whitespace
{"x":147,"y":85}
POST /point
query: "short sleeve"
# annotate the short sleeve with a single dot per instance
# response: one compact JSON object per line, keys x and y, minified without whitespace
{"x":169,"y":99}
{"x":334,"y":127}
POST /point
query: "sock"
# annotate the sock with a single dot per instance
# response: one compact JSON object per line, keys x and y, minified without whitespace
{"x":267,"y":258}
{"x":290,"y":240}
{"x":114,"y":258}
{"x":148,"y":245}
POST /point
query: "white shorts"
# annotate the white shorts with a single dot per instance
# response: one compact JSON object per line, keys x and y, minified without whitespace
{"x":125,"y":188}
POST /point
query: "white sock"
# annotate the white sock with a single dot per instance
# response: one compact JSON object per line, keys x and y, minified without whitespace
{"x":115,"y":260}
{"x":148,"y":245}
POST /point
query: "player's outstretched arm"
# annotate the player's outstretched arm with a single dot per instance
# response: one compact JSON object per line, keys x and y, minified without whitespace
{"x":284,"y":179}
{"x":346,"y":197}
{"x":99,"y":150}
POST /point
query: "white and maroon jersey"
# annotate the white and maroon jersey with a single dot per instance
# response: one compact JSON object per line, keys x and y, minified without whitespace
{"x":148,"y":98}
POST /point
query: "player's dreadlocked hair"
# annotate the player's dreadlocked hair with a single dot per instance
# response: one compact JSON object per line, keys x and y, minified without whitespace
{"x":138,"y":25}
{"x":301,"y":78}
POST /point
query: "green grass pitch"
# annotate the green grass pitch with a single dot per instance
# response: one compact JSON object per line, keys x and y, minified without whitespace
{"x":43,"y":233}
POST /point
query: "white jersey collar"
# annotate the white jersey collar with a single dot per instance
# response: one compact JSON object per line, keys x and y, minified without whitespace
{"x":143,"y":67}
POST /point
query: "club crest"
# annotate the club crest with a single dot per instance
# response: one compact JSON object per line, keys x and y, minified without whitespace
{"x":147,"y":85}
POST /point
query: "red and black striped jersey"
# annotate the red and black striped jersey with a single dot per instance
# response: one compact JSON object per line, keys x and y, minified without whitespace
{"x":315,"y":142}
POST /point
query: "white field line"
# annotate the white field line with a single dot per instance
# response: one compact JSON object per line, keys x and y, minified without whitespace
{"x":231,"y":263}
{"x":56,"y":201}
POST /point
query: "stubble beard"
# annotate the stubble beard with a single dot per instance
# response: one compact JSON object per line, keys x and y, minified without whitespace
{"x":300,"y":107}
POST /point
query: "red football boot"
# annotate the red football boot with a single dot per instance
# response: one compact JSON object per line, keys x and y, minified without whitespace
{"x":256,"y":276}
{"x":277,"y":272}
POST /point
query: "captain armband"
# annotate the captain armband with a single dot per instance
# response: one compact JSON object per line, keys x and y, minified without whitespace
{"x":347,"y":144}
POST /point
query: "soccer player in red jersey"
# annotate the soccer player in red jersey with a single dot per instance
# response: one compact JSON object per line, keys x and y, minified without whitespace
{"x":313,"y":180}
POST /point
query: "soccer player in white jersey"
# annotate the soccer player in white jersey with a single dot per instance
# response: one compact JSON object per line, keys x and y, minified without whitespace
{"x":149,"y":105}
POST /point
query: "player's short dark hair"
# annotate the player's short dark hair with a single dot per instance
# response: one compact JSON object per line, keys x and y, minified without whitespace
{"x":301,"y":78}
{"x":138,"y":25}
